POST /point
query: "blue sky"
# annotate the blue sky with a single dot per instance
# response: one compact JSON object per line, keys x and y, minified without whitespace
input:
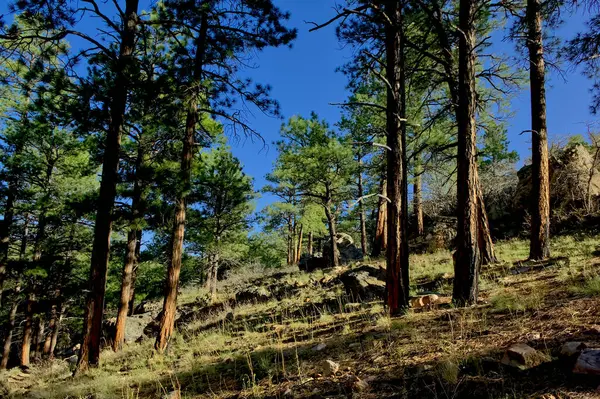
{"x":304,"y":80}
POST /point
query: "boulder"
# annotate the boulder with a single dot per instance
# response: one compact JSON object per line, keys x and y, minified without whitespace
{"x":523,"y":356}
{"x":311,"y":263}
{"x":570,"y":170}
{"x":364,"y":283}
{"x":588,"y":362}
{"x":329,"y":367}
{"x":570,"y":349}
{"x":253,"y":294}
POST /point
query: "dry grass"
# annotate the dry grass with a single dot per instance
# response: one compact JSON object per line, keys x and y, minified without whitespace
{"x":270,"y":348}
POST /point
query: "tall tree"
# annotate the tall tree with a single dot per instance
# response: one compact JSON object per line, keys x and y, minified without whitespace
{"x":219,"y":32}
{"x":467,"y":258}
{"x":539,"y":247}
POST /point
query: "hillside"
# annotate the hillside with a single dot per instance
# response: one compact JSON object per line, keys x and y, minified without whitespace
{"x":286,"y":333}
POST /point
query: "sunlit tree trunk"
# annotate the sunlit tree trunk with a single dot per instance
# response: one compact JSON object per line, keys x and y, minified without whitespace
{"x":10,"y":327}
{"x":331,"y":222}
{"x":540,"y":204}
{"x":167,"y":320}
{"x":397,"y":259}
{"x":138,"y":250}
{"x":380,"y":242}
{"x":39,"y":337}
{"x":27,"y":330}
{"x":299,"y":246}
{"x":56,"y":331}
{"x":309,"y":244}
{"x":467,"y":259}
{"x":486,"y":245}
{"x":94,"y":310}
{"x":130,"y":255}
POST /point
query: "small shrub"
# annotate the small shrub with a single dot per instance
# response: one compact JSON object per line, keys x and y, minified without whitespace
{"x":589,"y":287}
{"x":447,"y":371}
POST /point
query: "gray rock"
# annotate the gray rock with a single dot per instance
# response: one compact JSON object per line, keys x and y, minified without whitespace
{"x":329,"y":367}
{"x":572,"y":348}
{"x":588,"y":362}
{"x":523,"y":356}
{"x":364,"y":283}
{"x":319,"y":347}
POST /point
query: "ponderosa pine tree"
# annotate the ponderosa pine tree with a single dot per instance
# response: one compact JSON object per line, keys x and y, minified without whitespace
{"x":467,"y":260}
{"x":540,"y":203}
{"x":221,"y":202}
{"x":218,"y":32}
{"x":312,"y":158}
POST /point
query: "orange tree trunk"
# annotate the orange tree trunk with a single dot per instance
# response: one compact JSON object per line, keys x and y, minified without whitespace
{"x":27,"y":330}
{"x":130,"y":255}
{"x":167,"y":320}
{"x":56,"y":331}
{"x":540,"y":204}
{"x":138,"y":249}
{"x":299,"y":247}
{"x":380,"y":242}
{"x":397,"y":257}
{"x":467,"y":258}
{"x":94,"y":309}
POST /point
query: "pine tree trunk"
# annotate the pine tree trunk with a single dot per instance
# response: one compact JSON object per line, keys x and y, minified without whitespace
{"x":167,"y":320}
{"x":397,"y":259}
{"x":52,"y":325}
{"x":214,"y":275}
{"x":418,"y":205}
{"x":540,"y":205}
{"x":467,"y":257}
{"x":290,"y":243}
{"x":380,"y":242}
{"x":299,"y":247}
{"x":309,"y":245}
{"x":333,"y":251}
{"x":138,"y":250}
{"x":94,"y":310}
{"x":5,"y":227}
{"x":27,"y":330}
{"x":130,"y":255}
{"x":361,"y":212}
{"x":10,"y":327}
{"x":293,"y":255}
{"x":39,"y":338}
{"x":56,"y":331}
{"x":486,"y":245}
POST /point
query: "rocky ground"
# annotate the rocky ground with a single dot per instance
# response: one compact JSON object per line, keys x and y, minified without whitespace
{"x":287,"y":333}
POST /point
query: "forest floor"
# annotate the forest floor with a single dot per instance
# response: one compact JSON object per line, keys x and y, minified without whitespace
{"x":278,"y":345}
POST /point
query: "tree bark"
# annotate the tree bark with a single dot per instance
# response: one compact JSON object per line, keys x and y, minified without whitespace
{"x":333,"y":251}
{"x":397,"y":257}
{"x":39,"y":338}
{"x":436,"y":17}
{"x":290,"y":243}
{"x":486,"y":245}
{"x":130,"y":255}
{"x":467,"y":258}
{"x":380,"y":242}
{"x":309,"y":244}
{"x":56,"y":330}
{"x":539,"y":247}
{"x":92,"y":322}
{"x":361,"y":212}
{"x":418,"y":205}
{"x":167,"y":320}
{"x":138,"y":250}
{"x":52,"y":325}
{"x":10,"y":327}
{"x":299,"y":247}
{"x":27,"y":330}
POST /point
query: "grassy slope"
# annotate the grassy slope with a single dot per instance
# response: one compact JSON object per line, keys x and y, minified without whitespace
{"x":268,"y":349}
